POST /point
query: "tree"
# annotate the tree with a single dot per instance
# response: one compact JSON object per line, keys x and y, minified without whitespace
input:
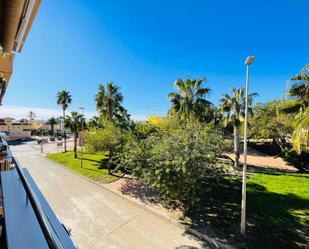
{"x":188,"y":102}
{"x":298,"y":105}
{"x":177,"y":163}
{"x":52,"y":122}
{"x":74,"y":123}
{"x":155,"y":120}
{"x":95,"y":122}
{"x":110,"y":139}
{"x":144,"y":130}
{"x":109,"y":104}
{"x":233,"y":112}
{"x":64,"y":99}
{"x":31,"y":116}
{"x":300,"y":136}
{"x":268,"y":123}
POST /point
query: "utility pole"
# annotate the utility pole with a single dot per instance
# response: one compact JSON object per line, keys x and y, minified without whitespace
{"x":248,"y":62}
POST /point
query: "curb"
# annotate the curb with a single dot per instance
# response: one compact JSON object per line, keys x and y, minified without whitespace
{"x":213,"y":243}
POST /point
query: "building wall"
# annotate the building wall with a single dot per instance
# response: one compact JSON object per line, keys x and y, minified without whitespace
{"x":16,"y":130}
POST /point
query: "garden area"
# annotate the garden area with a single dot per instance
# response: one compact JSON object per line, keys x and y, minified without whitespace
{"x":183,"y":158}
{"x":277,"y":211}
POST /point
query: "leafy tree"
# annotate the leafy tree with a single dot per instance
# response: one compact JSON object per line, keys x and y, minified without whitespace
{"x":52,"y":122}
{"x":233,"y":111}
{"x":64,"y":99}
{"x":268,"y":123}
{"x":109,"y":105}
{"x":144,"y":130}
{"x":188,"y":102}
{"x":74,"y":123}
{"x":177,"y":163}
{"x":298,"y":105}
{"x":110,"y":139}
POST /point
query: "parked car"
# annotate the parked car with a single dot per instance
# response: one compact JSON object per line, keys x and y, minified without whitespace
{"x":52,"y":139}
{"x":66,"y":136}
{"x":59,"y":138}
{"x":40,"y":140}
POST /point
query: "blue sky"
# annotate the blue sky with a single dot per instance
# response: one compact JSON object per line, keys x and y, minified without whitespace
{"x":143,"y":46}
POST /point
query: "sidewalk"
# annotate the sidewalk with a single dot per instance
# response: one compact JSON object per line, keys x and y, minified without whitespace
{"x":259,"y":159}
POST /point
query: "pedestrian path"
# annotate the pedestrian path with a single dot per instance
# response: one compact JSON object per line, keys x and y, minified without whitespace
{"x":259,"y":159}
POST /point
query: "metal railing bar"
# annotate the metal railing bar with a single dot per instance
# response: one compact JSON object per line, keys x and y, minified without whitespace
{"x":48,"y":230}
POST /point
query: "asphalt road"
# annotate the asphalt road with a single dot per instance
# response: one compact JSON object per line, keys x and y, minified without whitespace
{"x":99,"y":218}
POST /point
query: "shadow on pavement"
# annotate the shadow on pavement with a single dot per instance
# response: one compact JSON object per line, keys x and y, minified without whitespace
{"x":140,"y":191}
{"x":19,"y":142}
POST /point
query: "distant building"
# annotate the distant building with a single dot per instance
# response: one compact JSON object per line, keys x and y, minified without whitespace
{"x":35,"y":125}
{"x":15,"y":129}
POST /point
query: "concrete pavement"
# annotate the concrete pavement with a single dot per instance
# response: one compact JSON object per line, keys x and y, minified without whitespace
{"x":99,"y":218}
{"x":259,"y":159}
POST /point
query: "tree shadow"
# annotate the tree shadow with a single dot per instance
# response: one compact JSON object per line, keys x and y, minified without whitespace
{"x":101,"y":164}
{"x":20,"y":141}
{"x":267,"y":171}
{"x":188,"y":247}
{"x":140,"y":191}
{"x":270,"y":223}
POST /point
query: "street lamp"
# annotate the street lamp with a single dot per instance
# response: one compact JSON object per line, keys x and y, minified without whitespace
{"x":248,"y":62}
{"x":81,"y":139}
{"x":42,"y":141}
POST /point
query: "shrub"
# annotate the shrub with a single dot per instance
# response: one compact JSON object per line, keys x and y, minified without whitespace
{"x":110,"y":139}
{"x":177,"y":163}
{"x":300,"y":161}
{"x":142,"y":130}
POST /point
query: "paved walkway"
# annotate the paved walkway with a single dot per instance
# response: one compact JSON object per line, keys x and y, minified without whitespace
{"x":259,"y":159}
{"x":98,"y":217}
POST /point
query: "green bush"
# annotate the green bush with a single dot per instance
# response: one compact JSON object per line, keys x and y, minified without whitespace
{"x":177,"y":163}
{"x":300,"y":161}
{"x":142,"y":130}
{"x":110,"y":139}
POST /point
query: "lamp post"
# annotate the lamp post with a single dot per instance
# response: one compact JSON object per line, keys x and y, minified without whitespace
{"x":42,"y":141}
{"x":248,"y":62}
{"x":81,"y":139}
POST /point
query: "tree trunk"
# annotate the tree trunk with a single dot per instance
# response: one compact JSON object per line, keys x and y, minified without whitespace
{"x":236,"y":146}
{"x":52,"y":129}
{"x":110,"y":113}
{"x":110,"y":162}
{"x":64,"y":133}
{"x":75,"y":145}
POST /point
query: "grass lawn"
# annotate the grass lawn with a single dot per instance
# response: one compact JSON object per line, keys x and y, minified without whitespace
{"x":93,"y":165}
{"x":277,"y":211}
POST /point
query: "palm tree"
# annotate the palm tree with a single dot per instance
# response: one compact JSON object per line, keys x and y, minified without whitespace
{"x":233,"y":112}
{"x":31,"y":116}
{"x":298,"y":105}
{"x":52,"y":122}
{"x":95,"y":122}
{"x":189,"y":103}
{"x":300,"y":136}
{"x":74,"y":123}
{"x":109,"y":103}
{"x":64,"y":98}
